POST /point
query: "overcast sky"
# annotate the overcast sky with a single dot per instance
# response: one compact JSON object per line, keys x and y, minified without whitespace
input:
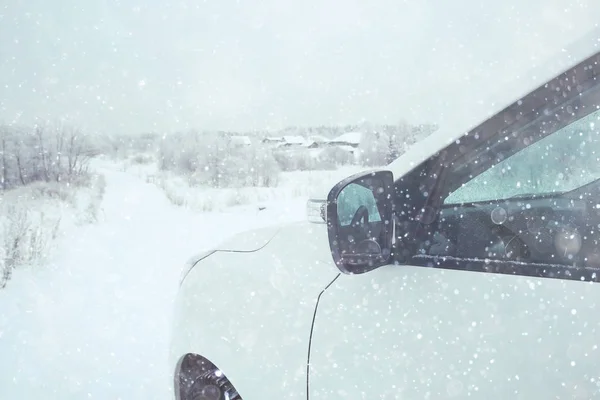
{"x":155,"y":65}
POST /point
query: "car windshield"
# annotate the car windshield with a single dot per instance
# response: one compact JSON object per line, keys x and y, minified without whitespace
{"x":139,"y":140}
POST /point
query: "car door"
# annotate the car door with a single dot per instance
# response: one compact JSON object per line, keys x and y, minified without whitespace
{"x":493,"y":291}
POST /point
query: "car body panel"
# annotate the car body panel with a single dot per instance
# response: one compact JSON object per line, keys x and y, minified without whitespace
{"x":415,"y":332}
{"x":251,"y":314}
{"x":243,"y":242}
{"x":250,"y":240}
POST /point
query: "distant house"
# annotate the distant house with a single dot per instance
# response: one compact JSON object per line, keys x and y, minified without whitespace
{"x":292,"y":141}
{"x":351,"y":139}
{"x":240,"y":141}
{"x":286,"y":141}
{"x":272,"y":140}
{"x":318,"y":139}
{"x":296,"y":141}
{"x":315,"y":142}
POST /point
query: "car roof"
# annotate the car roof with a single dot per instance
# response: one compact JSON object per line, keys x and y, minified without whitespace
{"x":503,"y":91}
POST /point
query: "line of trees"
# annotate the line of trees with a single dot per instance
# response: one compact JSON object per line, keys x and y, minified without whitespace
{"x":216,"y":160}
{"x":43,"y":152}
{"x":380,"y":145}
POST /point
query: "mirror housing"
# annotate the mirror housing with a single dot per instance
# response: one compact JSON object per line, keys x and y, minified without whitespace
{"x":360,"y":227}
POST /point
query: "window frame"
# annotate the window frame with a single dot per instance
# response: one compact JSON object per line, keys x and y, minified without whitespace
{"x":434,"y":179}
{"x":441,"y":180}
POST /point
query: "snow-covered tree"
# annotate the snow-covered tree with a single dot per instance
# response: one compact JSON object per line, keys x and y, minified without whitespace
{"x":374,"y":149}
{"x":42,"y":153}
{"x":214,"y":159}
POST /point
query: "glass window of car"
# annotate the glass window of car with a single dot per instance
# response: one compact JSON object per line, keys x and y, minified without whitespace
{"x":519,"y":193}
{"x":565,"y":160}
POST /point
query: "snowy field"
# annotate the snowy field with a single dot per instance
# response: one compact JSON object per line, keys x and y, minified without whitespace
{"x":292,"y":186}
{"x":94,"y":322}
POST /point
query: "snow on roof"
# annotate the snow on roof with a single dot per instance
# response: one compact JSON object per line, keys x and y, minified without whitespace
{"x":243,"y":140}
{"x":273,"y":138}
{"x":311,"y":142}
{"x":349,"y":137}
{"x":318,"y":139}
{"x":294,"y":139}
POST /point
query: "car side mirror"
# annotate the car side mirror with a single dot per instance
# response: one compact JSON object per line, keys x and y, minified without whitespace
{"x":360,"y":221}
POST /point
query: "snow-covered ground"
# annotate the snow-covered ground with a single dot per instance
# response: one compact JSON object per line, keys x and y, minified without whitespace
{"x":292,"y":186}
{"x":33,"y":216}
{"x":94,"y":322}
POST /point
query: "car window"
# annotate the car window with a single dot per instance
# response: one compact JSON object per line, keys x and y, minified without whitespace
{"x":519,"y":193}
{"x":351,"y":199}
{"x":558,"y":163}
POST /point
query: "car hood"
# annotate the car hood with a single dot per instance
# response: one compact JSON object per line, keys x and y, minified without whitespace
{"x":312,"y":238}
{"x":249,"y":241}
{"x":243,"y":242}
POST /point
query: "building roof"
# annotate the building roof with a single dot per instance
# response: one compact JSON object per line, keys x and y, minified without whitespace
{"x":318,"y":139}
{"x":294,"y":139}
{"x":348,"y":137}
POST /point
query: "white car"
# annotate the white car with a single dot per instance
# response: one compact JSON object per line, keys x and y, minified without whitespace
{"x":466,"y":269}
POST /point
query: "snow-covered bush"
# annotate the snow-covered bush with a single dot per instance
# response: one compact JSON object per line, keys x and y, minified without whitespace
{"x":50,"y":190}
{"x":142,"y":159}
{"x":215,"y":160}
{"x":337,"y":155}
{"x":263,"y":171}
{"x":25,"y":238}
{"x":302,"y":160}
{"x":31,"y":218}
{"x":15,"y":223}
{"x":90,"y":212}
{"x":375,"y":149}
{"x":292,"y":185}
{"x":381,"y":145}
{"x":121,"y":147}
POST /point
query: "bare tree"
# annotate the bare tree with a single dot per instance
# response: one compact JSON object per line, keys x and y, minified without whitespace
{"x":58,"y":152}
{"x":42,"y":153}
{"x":79,"y":152}
{"x":40,"y":133}
{"x":18,"y":156}
{"x":4,"y":155}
